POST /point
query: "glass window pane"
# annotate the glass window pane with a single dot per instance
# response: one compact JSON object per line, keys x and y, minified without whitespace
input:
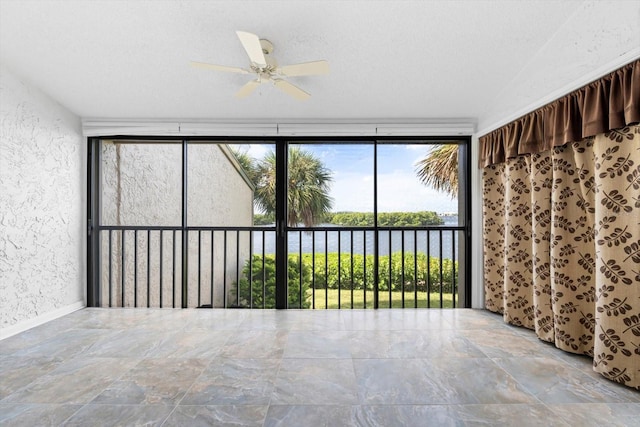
{"x":418,"y":184}
{"x":228,"y":184}
{"x":330,"y":184}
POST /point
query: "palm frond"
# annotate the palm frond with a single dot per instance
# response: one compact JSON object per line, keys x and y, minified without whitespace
{"x":439,"y":169}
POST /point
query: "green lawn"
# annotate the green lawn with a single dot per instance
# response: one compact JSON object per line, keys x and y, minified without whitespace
{"x":359,"y":297}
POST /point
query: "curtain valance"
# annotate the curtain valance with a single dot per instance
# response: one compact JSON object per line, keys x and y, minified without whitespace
{"x":611,"y":102}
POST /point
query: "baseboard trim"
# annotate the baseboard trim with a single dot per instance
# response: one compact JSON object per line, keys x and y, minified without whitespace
{"x":39,"y":320}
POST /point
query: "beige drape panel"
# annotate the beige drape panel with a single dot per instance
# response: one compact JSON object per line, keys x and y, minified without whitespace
{"x":562,"y":248}
{"x":561,"y":206}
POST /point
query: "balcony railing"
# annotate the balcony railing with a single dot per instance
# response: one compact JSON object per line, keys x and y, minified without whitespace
{"x":234,"y":267}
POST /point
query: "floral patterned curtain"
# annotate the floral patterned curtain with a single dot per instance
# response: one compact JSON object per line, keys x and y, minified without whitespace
{"x":562,"y":247}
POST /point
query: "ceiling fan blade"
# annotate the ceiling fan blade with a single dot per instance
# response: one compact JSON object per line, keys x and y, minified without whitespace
{"x":219,"y":67}
{"x":252,"y":46}
{"x":247,"y":89}
{"x":290,"y":89}
{"x":305,"y":69}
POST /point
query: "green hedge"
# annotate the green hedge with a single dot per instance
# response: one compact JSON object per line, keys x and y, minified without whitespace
{"x":268,"y":292}
{"x":429,"y":276}
{"x":424,"y":282}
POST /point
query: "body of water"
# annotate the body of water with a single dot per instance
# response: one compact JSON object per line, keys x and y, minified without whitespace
{"x":357,"y":241}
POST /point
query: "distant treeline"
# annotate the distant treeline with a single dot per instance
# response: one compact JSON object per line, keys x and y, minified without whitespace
{"x":259,"y":219}
{"x":364,"y":219}
{"x":385,"y":219}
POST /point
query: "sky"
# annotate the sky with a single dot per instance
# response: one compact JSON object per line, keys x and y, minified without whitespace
{"x":352,"y":167}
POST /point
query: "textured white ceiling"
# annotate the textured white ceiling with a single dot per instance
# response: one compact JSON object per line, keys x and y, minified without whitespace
{"x":483,"y":60}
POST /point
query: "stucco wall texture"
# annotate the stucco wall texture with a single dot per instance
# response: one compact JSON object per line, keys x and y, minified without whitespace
{"x":42,"y":191}
{"x":141,"y":185}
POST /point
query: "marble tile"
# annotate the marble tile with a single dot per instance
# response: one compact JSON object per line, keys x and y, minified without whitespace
{"x":599,"y":414}
{"x":318,"y":345}
{"x":393,"y":320}
{"x":234,"y":381}
{"x":396,"y":381}
{"x":154,"y":382}
{"x":103,"y":318}
{"x":21,"y":415}
{"x":119,"y":415}
{"x":410,"y":344}
{"x":126,"y":343}
{"x":437,"y":343}
{"x":22,"y":340}
{"x":613,"y":392}
{"x":193,"y":345}
{"x":476,"y":380}
{"x":372,"y":344}
{"x":216,"y":319}
{"x":18,"y":371}
{"x":404,"y":415}
{"x":32,"y":337}
{"x":124,"y":318}
{"x":66,"y":344}
{"x":293,"y":320}
{"x":255,"y":344}
{"x":310,"y":320}
{"x":309,"y":415}
{"x":436,"y":381}
{"x":475,"y":319}
{"x":553,"y":381}
{"x":499,"y":343}
{"x":578,"y":361}
{"x":261,"y":320}
{"x":219,"y":415}
{"x":76,"y":381}
{"x":507,"y":416}
{"x":317,"y":381}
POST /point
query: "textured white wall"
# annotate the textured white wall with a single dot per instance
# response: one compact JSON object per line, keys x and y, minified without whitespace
{"x":42,"y":194}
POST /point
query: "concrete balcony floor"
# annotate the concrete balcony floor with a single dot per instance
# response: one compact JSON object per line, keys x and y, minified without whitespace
{"x":408,"y":367}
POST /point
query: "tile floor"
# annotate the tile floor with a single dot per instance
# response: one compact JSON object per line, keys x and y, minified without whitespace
{"x":103,"y":367}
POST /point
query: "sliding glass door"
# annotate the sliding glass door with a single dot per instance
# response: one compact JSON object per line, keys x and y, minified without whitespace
{"x":318,"y":224}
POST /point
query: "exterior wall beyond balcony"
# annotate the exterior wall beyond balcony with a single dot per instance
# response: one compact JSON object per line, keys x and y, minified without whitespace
{"x":141,"y":186}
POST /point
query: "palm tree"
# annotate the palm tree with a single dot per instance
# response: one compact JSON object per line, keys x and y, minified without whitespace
{"x":308,"y":187}
{"x":309,"y":183}
{"x":439,"y":169}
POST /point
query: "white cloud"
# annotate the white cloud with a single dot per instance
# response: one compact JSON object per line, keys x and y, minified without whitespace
{"x":422,"y":147}
{"x":257,"y":151}
{"x":352,"y":192}
{"x":401,"y":191}
{"x":397,"y":191}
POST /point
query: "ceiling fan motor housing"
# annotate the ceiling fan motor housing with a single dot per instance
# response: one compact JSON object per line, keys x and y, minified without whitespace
{"x":272,"y":64}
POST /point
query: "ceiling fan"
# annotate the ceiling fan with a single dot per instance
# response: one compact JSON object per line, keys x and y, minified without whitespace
{"x":266,"y":68}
